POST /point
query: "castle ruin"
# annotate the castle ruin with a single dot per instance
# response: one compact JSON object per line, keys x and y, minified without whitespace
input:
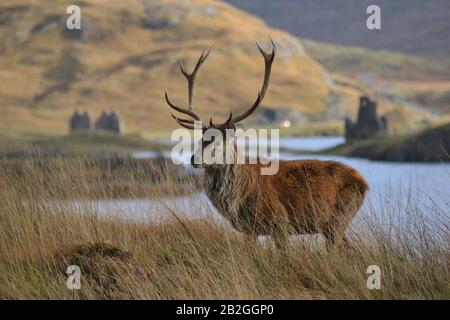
{"x":80,"y":121}
{"x":368,"y":124}
{"x":108,"y":121}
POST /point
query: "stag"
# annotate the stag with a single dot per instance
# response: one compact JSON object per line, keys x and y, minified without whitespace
{"x":303,"y":197}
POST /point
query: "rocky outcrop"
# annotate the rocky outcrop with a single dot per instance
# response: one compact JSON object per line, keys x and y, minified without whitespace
{"x":368,"y":124}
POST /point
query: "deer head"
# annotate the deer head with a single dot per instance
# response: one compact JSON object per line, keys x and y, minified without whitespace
{"x":209,"y":144}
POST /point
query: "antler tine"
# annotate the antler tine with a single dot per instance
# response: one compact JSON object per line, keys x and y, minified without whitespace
{"x":268,"y":60}
{"x":184,"y":122}
{"x":188,"y":121}
{"x":181,"y":110}
{"x":185,"y":125}
{"x":191,"y":76}
{"x":222,"y":125}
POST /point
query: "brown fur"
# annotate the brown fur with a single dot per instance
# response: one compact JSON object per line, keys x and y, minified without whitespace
{"x":305,"y":196}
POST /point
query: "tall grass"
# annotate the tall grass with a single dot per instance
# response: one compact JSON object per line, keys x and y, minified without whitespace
{"x":41,"y":234}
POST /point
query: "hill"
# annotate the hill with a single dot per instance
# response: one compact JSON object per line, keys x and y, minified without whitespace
{"x":408,"y":26}
{"x":127,"y":54}
{"x":409,"y":65}
{"x":388,"y":65}
{"x":410,"y":80}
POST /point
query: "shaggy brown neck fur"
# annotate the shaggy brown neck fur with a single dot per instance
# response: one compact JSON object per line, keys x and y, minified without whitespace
{"x":228,"y":186}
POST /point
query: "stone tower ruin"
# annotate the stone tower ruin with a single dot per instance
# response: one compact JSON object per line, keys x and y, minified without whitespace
{"x":368,"y":124}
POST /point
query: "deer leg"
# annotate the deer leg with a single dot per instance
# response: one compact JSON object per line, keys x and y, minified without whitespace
{"x":280,"y":228}
{"x":280,"y":236}
{"x":335,"y":236}
{"x":330,"y":239}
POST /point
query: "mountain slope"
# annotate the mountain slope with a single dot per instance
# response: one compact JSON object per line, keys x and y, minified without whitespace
{"x":127,"y":54}
{"x":383,"y":64}
{"x":411,"y":80}
{"x":414,"y":27}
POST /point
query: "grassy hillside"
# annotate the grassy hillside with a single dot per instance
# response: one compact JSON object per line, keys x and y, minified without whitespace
{"x":385,"y":64}
{"x":432,"y":93}
{"x":126,"y":56}
{"x":347,"y":47}
{"x":391,"y":76}
{"x":407,"y":26}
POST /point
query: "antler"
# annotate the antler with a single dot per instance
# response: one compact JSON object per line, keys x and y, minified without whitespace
{"x":268,"y":60}
{"x":191,"y":76}
{"x":188,"y":123}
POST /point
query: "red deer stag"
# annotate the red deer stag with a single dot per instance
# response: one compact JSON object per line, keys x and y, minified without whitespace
{"x":303,"y":197}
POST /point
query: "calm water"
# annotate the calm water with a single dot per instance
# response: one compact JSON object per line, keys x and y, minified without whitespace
{"x":400,"y":187}
{"x":293,"y":143}
{"x":310,"y":143}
